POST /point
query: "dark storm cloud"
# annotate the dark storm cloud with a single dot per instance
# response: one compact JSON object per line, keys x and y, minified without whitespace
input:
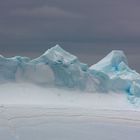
{"x":36,"y":22}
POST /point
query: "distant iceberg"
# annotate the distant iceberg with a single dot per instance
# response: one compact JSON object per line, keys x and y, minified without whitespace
{"x":60,"y":68}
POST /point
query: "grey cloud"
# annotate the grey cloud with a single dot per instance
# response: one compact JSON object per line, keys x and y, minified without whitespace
{"x":40,"y":21}
{"x":45,"y":11}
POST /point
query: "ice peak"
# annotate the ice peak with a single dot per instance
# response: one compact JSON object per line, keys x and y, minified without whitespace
{"x":119,"y":55}
{"x":112,"y":60}
{"x":56,"y":47}
{"x":58,"y":55}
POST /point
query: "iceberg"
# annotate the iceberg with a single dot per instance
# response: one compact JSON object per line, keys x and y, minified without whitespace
{"x":111,"y":62}
{"x":60,"y":68}
{"x":68,"y":70}
{"x":9,"y":67}
{"x":114,"y":73}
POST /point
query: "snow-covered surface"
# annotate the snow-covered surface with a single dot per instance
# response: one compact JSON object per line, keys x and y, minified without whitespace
{"x":41,"y":123}
{"x":30,"y":94}
{"x":31,"y":112}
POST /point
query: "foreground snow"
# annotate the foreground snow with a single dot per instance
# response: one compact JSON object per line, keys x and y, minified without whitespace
{"x":30,"y":112}
{"x":30,"y":94}
{"x":49,"y":123}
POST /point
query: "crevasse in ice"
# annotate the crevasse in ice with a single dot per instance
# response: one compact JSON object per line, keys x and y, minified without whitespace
{"x":58,"y":67}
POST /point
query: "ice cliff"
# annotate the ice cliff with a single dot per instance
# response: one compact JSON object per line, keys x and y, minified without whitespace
{"x":114,"y":73}
{"x":58,"y":67}
{"x":68,"y":71}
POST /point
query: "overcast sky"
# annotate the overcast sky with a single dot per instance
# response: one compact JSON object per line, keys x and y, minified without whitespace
{"x":87,"y":28}
{"x":34,"y":24}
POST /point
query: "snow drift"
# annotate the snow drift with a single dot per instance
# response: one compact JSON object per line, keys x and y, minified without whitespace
{"x":60,"y":68}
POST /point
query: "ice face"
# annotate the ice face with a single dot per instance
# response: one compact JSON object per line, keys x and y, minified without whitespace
{"x":114,"y":73}
{"x":18,"y":68}
{"x":111,"y":62}
{"x":59,"y":67}
{"x":67,"y":69}
{"x":9,"y":67}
